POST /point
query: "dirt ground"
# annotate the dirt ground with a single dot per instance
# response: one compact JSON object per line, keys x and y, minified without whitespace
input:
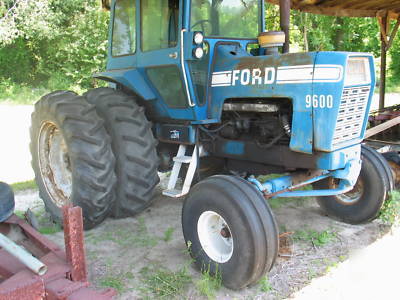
{"x":146,"y":255}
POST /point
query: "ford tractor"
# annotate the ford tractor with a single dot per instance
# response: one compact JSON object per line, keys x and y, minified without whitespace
{"x":200,"y":89}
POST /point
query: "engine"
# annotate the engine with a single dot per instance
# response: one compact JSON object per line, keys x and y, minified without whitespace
{"x":265,"y":122}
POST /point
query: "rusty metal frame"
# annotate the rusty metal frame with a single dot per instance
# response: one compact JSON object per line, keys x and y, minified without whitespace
{"x":66,"y":277}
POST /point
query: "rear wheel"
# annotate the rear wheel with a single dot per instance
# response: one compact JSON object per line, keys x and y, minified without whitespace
{"x":230,"y":229}
{"x":363,"y":203}
{"x":393,"y":159}
{"x":72,"y":157}
{"x":7,"y":202}
{"x":134,"y":147}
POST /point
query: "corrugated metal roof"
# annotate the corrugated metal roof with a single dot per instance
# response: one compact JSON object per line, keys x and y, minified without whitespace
{"x":348,"y":8}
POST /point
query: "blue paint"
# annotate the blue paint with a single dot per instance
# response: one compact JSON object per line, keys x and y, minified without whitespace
{"x":235,"y":148}
{"x":347,"y":176}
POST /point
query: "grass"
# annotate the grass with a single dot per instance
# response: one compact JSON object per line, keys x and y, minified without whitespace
{"x":390,"y":212}
{"x":265,"y":285}
{"x":164,"y":283}
{"x":24,"y":94}
{"x":117,"y":282}
{"x":168,"y":234}
{"x":209,"y":283}
{"x":317,"y":238}
{"x":46,"y":226}
{"x":24,"y":185}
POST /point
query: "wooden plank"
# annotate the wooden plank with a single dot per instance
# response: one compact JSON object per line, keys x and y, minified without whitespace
{"x":382,"y":127}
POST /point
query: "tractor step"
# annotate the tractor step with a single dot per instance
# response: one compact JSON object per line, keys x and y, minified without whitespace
{"x":179,"y":159}
{"x":182,"y":159}
{"x":173,"y":193}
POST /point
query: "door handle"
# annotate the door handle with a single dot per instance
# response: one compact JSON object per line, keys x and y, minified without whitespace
{"x":173,"y":55}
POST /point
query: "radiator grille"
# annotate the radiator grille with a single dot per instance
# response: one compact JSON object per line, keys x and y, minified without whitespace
{"x":351,"y":114}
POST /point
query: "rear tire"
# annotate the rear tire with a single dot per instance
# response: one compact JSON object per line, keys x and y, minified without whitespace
{"x":72,"y":157}
{"x":363,"y":203}
{"x":230,"y":229}
{"x":7,"y":201}
{"x":134,"y":148}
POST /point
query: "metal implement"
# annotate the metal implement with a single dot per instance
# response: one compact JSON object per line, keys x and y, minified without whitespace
{"x":66,"y":273}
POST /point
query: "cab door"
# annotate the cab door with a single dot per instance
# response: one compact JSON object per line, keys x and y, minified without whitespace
{"x":160,"y":58}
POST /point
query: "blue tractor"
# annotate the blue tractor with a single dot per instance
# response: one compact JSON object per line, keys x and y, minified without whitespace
{"x":200,"y":89}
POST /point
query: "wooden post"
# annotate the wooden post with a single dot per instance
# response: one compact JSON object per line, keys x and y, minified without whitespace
{"x":384,"y":23}
{"x":284,"y":9}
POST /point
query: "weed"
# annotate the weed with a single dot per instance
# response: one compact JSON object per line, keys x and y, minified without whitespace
{"x":163,"y":282}
{"x":208,"y":284}
{"x":115,"y":282}
{"x":265,"y":285}
{"x":168,"y":234}
{"x":54,"y":228}
{"x":318,"y":239}
{"x":332,"y":265}
{"x":390,"y":212}
{"x":20,"y":213}
{"x":24,"y":185}
{"x":311,"y":274}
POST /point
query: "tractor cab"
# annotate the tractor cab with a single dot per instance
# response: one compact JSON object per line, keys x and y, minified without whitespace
{"x":168,"y":46}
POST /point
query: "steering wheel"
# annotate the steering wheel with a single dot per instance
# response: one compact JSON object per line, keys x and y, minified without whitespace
{"x":201,"y":23}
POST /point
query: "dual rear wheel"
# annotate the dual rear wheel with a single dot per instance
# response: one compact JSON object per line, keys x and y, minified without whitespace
{"x":96,"y":151}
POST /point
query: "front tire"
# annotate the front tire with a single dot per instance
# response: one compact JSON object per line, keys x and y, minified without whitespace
{"x":72,"y":157}
{"x":363,"y":203}
{"x":230,"y":229}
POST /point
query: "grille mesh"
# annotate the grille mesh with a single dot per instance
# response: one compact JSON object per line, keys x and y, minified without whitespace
{"x":351,"y":114}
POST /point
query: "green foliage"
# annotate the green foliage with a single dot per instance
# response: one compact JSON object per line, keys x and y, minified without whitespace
{"x":24,"y":185}
{"x":164,"y":283}
{"x":58,"y":46}
{"x":265,"y":285}
{"x":390,"y":212}
{"x":209,"y":283}
{"x":318,"y":239}
{"x":115,"y":282}
{"x":168,"y":234}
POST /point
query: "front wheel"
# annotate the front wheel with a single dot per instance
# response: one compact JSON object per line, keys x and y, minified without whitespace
{"x":230,"y":230}
{"x":364,"y":201}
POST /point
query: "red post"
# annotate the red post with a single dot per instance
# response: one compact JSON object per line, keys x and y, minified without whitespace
{"x":74,"y":244}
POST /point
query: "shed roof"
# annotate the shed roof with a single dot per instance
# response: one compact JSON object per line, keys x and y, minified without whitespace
{"x":348,"y":8}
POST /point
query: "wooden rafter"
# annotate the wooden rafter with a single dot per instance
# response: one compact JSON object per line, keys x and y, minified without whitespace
{"x":347,"y":8}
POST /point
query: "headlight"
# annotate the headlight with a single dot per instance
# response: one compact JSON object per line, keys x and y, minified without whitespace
{"x":198,"y":52}
{"x":358,"y":71}
{"x":198,"y":38}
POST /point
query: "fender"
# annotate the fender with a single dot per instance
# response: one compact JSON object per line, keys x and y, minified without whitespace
{"x":129,"y":78}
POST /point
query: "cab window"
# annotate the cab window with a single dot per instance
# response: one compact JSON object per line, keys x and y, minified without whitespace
{"x":124,"y":28}
{"x":160,"y":21}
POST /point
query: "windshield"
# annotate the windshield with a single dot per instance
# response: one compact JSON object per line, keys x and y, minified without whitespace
{"x":225,"y":18}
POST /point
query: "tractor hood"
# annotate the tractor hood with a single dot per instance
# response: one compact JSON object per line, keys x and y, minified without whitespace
{"x":314,"y":82}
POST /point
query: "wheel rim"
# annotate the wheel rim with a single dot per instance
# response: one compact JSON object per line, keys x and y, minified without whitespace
{"x":354,"y":195}
{"x":215,"y":236}
{"x":54,"y":164}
